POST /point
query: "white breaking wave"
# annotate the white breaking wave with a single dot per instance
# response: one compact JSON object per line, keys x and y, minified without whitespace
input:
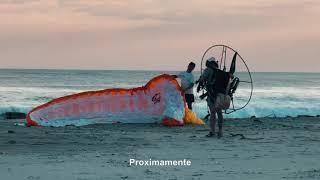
{"x":279,"y":101}
{"x":279,"y":94}
{"x":23,"y":99}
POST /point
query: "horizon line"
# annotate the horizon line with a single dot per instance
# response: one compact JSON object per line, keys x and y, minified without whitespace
{"x":143,"y":70}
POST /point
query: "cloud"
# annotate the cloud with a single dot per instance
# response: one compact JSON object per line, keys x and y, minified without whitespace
{"x":154,"y":31}
{"x":16,"y":2}
{"x":185,"y":17}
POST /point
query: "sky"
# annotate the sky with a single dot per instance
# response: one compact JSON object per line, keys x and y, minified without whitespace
{"x":271,"y":35}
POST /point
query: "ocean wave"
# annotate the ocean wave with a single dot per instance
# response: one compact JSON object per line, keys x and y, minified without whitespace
{"x":277,"y":101}
{"x":261,"y":109}
{"x":20,"y":109}
{"x":267,"y":109}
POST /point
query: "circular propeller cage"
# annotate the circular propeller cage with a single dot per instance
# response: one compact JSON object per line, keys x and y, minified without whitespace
{"x":224,"y":56}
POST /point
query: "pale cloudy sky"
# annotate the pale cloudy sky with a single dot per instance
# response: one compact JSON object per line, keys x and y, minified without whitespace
{"x":272,"y":35}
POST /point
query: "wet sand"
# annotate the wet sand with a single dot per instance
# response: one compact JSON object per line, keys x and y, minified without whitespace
{"x":267,"y":148}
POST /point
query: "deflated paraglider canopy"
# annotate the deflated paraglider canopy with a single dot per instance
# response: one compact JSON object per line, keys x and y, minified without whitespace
{"x":160,"y":101}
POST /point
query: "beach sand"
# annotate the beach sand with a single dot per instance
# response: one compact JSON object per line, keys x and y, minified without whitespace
{"x":270,"y":148}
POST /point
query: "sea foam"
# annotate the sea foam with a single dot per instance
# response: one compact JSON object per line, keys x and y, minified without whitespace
{"x":275,"y":94}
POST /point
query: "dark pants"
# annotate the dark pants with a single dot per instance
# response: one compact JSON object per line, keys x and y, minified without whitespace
{"x":189,"y":100}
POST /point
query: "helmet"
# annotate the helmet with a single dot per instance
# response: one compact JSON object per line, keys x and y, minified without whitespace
{"x":211,"y":62}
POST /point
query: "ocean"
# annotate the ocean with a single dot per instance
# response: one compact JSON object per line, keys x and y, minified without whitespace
{"x":275,"y":94}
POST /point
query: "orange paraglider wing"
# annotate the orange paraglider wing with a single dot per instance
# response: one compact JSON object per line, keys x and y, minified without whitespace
{"x":159,"y":101}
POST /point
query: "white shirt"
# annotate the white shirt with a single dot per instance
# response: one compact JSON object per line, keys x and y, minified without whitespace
{"x":186,"y":80}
